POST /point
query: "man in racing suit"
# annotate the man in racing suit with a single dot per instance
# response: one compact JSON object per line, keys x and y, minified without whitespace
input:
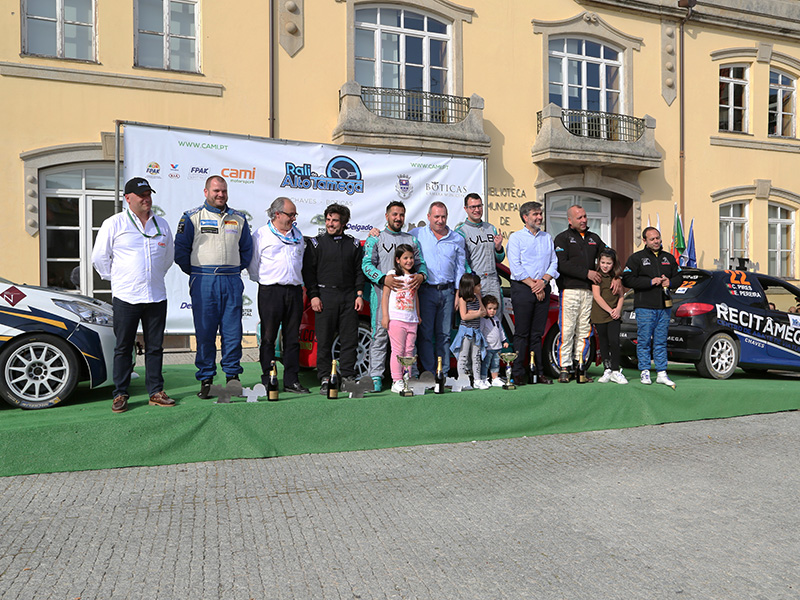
{"x":483,"y":247}
{"x":379,"y":260}
{"x":212,"y":245}
{"x":649,"y":273}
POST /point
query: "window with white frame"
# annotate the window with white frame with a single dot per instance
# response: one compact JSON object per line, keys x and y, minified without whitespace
{"x":402,"y":48}
{"x":59,"y":28}
{"x":732,"y":232}
{"x":733,"y":84}
{"x":166,"y":35}
{"x":780,"y":261}
{"x":781,"y":104}
{"x":585,"y":75}
{"x":74,"y":202}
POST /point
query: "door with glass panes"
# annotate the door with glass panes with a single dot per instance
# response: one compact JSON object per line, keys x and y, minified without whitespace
{"x":74,"y":202}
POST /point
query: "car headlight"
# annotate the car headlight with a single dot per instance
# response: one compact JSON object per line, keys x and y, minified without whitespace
{"x":88,"y":313}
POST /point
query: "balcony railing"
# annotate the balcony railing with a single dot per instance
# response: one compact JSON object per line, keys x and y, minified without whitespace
{"x":600,"y":125}
{"x":415,"y":106}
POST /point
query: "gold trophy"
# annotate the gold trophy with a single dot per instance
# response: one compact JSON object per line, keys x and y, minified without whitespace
{"x":509,"y":358}
{"x":406,"y":362}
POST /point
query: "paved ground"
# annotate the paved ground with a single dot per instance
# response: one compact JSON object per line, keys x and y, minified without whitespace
{"x":704,"y":510}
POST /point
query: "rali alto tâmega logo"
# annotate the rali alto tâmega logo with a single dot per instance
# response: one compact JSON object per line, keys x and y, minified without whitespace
{"x":342,"y":174}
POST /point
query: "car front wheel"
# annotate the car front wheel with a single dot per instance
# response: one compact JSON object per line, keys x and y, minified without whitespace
{"x":38,"y":371}
{"x":720,"y":357}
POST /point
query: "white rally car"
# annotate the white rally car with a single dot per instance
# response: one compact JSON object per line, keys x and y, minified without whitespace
{"x":50,"y":340}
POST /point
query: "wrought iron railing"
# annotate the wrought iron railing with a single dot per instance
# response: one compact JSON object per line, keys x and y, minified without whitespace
{"x":601,"y":125}
{"x":415,"y":106}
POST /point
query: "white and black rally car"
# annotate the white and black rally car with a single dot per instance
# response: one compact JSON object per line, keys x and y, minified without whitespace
{"x":51,"y":340}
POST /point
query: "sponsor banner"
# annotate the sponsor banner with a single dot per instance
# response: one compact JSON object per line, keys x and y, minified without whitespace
{"x":177,"y":163}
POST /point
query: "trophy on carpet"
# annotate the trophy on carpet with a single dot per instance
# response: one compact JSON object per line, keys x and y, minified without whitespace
{"x":406,"y":362}
{"x":509,"y":358}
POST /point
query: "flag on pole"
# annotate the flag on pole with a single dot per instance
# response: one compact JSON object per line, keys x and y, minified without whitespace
{"x":678,"y":243}
{"x":688,"y":258}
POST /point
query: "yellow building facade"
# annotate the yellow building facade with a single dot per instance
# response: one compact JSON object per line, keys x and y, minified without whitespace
{"x":567,"y":101}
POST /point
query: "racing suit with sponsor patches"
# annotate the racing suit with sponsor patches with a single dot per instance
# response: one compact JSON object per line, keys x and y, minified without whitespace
{"x":212,"y":246}
{"x":379,"y":260}
{"x":482,"y":257}
{"x":577,"y":255}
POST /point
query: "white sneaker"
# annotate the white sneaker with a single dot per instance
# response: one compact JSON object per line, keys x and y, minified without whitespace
{"x":482,"y":384}
{"x":662,"y":378}
{"x":605,"y":377}
{"x":646,"y":378}
{"x":497,"y":382}
{"x":397,"y":386}
{"x":618,"y":377}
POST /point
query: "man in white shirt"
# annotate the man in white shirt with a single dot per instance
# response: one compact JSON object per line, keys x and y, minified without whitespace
{"x":134,"y":250}
{"x":277,"y":264}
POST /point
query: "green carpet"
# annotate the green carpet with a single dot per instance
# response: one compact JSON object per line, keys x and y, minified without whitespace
{"x":84,"y":433}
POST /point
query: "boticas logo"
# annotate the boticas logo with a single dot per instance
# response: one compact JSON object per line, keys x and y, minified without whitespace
{"x":342,"y":174}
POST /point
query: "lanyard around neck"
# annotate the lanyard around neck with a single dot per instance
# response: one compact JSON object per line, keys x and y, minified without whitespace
{"x":136,"y":225}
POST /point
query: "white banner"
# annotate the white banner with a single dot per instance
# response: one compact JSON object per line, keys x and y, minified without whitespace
{"x":178,"y":162}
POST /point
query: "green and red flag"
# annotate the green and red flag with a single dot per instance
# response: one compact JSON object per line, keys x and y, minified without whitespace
{"x":678,"y":243}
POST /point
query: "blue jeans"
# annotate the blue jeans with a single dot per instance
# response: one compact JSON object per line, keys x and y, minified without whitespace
{"x":153,"y":317}
{"x":217,"y":306}
{"x":436,"y":316}
{"x":490,"y":363}
{"x":652,"y":325}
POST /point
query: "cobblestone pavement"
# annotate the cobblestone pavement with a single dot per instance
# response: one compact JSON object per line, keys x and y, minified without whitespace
{"x":702,"y":510}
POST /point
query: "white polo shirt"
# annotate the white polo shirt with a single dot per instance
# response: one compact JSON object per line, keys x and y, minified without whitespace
{"x":276,"y":262}
{"x":134,"y":258}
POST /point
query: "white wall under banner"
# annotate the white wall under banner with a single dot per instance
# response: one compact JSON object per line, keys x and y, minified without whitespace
{"x":177,"y":162}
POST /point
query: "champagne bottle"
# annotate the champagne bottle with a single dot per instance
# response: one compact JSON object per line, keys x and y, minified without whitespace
{"x":333,"y":382}
{"x":581,"y":376}
{"x":272,"y":386}
{"x":440,"y":378}
{"x":534,"y":377}
{"x":667,"y":298}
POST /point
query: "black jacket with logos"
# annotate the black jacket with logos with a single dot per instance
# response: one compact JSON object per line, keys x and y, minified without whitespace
{"x":333,"y":261}
{"x":639,"y":272}
{"x":577,"y":255}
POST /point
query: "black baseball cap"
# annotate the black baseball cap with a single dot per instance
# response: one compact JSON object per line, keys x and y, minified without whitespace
{"x":138,"y":185}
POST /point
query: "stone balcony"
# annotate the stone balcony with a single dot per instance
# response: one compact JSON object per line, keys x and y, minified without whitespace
{"x":415,"y":121}
{"x":594,"y":139}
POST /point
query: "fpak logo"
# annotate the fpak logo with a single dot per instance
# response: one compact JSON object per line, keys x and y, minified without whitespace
{"x":403,"y":187}
{"x":239,"y":175}
{"x":153,"y":169}
{"x":342,"y":174}
{"x":198,"y":173}
{"x":173,"y":171}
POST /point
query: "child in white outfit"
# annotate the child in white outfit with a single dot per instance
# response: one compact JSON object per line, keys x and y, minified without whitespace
{"x":496,"y":340}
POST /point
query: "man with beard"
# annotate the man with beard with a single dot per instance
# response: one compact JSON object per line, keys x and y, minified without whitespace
{"x":379,"y":260}
{"x":212,"y":245}
{"x":577,"y":249}
{"x":335,"y":286}
{"x":483,"y":247}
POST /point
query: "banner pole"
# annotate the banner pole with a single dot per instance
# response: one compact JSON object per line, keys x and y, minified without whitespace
{"x":117,"y":199}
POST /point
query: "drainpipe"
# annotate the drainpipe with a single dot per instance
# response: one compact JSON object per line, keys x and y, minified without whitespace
{"x":271,"y":68}
{"x":688,"y":4}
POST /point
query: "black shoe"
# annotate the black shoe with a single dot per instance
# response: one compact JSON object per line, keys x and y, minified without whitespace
{"x":545,"y":380}
{"x":563,"y":377}
{"x":205,"y":389}
{"x":229,"y":378}
{"x":323,"y":388}
{"x":296,"y":388}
